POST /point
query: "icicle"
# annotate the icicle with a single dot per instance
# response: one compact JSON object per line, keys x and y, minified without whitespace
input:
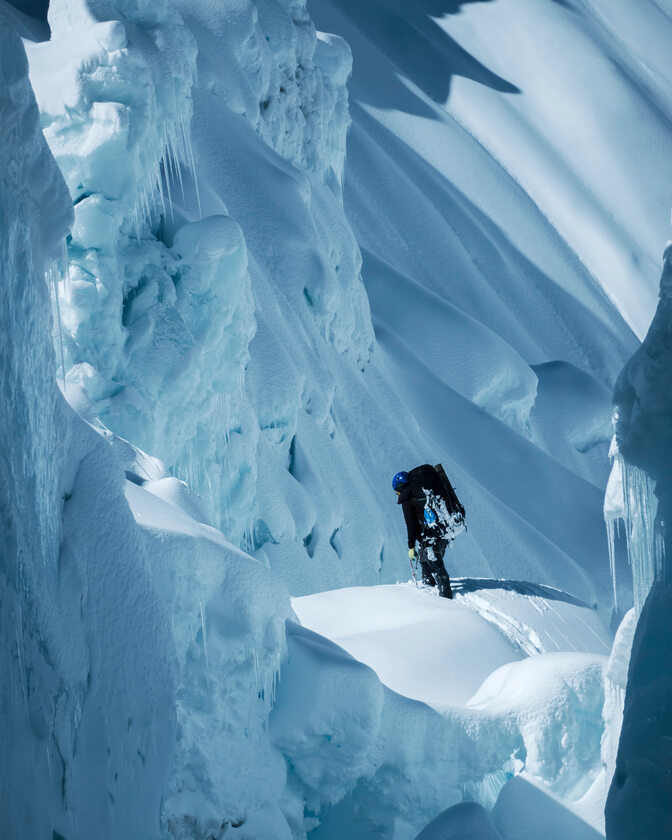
{"x":192,"y":166}
{"x":631,"y":497}
{"x":156,"y":168}
{"x":256,"y":669}
{"x":614,"y":703}
{"x":211,"y":500}
{"x":641,"y":508}
{"x":65,"y":260}
{"x":163,"y":166}
{"x":53,"y":281}
{"x":227,"y":462}
{"x":175,"y":157}
{"x":612,"y":531}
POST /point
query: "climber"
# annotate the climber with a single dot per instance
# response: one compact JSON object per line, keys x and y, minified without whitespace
{"x":434,"y":516}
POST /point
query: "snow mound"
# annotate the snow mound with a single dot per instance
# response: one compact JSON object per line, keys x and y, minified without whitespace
{"x":420,"y":646}
{"x":441,"y":651}
{"x":354,"y":743}
{"x":557,"y":694}
{"x":525,"y":809}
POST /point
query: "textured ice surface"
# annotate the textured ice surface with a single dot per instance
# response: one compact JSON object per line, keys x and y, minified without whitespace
{"x":86,"y":687}
{"x":639,"y":796}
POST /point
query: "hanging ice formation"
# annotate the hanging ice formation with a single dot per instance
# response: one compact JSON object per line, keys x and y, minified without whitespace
{"x":642,"y":467}
{"x":631,"y":499}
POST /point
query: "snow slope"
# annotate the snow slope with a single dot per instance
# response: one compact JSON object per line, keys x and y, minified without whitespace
{"x":439,"y":652}
{"x":492,"y":235}
{"x":493,"y":96}
{"x":215,"y":315}
{"x":522,"y":693}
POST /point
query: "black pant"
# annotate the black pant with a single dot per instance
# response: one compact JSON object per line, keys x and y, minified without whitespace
{"x":433,"y":571}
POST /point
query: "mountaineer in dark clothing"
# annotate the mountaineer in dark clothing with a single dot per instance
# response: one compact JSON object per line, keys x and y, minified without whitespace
{"x":434,"y":516}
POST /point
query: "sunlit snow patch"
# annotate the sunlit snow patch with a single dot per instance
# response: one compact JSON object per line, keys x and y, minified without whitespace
{"x":487,"y":710}
{"x":439,"y":651}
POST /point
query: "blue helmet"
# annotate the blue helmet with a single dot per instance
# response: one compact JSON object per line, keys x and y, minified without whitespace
{"x":399,"y":480}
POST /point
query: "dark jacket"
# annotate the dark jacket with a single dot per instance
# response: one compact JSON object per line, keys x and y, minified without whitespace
{"x":412,"y":500}
{"x":414,"y":514}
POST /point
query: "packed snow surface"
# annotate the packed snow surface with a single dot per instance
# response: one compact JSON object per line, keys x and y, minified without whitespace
{"x":508,"y":707}
{"x":441,"y":651}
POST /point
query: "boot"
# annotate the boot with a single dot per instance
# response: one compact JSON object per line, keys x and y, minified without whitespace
{"x":427,"y":577}
{"x":444,"y":586}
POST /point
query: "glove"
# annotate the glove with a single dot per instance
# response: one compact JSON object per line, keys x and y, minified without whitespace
{"x":411,"y":554}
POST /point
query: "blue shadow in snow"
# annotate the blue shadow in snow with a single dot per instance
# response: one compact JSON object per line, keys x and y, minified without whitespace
{"x":407,"y":34}
{"x":522,"y":587}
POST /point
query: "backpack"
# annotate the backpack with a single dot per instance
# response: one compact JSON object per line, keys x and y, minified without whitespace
{"x":454,"y":505}
{"x":436,"y":502}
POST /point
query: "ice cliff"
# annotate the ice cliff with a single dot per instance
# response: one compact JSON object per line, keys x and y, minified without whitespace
{"x":104,"y":615}
{"x":67,"y":590}
{"x":639,"y":800}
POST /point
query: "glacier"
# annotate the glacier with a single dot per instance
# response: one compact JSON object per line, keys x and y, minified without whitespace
{"x":222,"y":335}
{"x":160,"y":245}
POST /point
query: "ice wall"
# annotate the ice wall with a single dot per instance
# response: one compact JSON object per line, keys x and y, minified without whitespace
{"x":114,"y":86}
{"x":34,"y":214}
{"x":226,"y":618}
{"x":157,"y":304}
{"x":641,"y":467}
{"x":139,"y":655}
{"x":77,"y":703}
{"x":639,"y":801}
